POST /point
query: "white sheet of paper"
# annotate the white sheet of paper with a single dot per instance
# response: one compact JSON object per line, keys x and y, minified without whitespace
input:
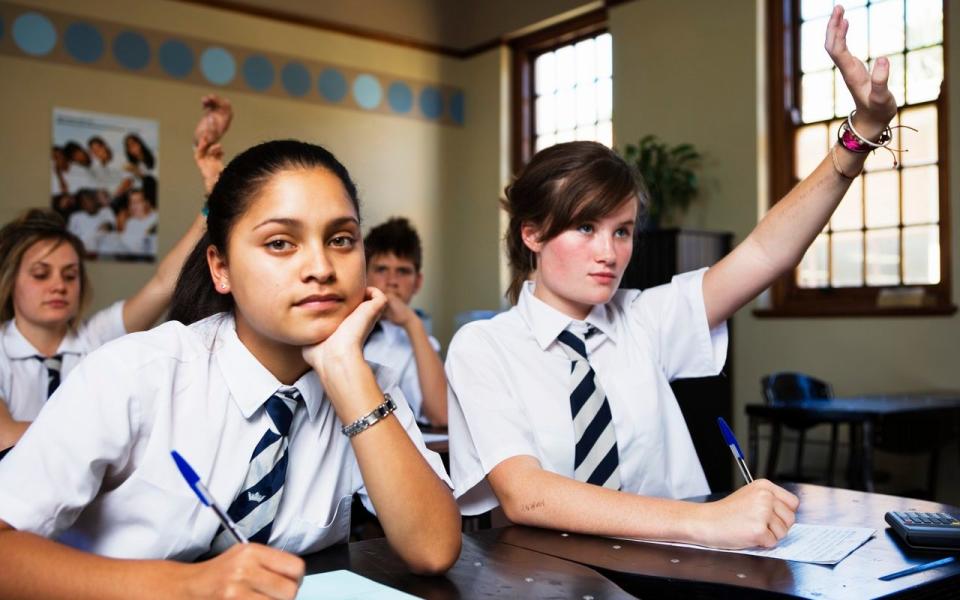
{"x":346,"y":585}
{"x":435,"y":437}
{"x":818,"y":544}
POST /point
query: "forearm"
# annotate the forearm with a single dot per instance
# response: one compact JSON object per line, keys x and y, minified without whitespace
{"x":415,"y":508}
{"x":38,"y":568}
{"x":145,"y":307}
{"x":430,"y":374}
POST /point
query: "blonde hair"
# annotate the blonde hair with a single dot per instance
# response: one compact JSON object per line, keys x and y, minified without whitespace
{"x":18,"y":236}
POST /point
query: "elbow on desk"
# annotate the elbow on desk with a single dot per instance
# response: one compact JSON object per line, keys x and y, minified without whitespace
{"x":436,"y":560}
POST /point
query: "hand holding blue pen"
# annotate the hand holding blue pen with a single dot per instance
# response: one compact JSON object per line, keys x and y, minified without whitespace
{"x":193,"y":480}
{"x":731,"y":441}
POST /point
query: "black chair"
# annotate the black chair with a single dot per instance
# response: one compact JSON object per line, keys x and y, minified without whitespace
{"x":788,"y":387}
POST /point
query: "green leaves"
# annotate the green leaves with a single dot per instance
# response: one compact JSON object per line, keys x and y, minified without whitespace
{"x":669,"y":173}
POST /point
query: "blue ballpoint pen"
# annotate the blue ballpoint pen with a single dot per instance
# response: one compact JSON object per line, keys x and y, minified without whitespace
{"x":919,"y":568}
{"x":731,"y":441}
{"x":204,"y":494}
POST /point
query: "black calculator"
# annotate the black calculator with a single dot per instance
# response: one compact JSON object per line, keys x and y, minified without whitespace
{"x":928,"y":530}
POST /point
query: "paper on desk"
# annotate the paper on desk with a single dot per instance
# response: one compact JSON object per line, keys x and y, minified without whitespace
{"x":346,"y":585}
{"x":817,"y":544}
{"x":435,"y":437}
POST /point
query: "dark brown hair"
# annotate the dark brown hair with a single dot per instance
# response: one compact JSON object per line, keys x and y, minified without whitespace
{"x":194,"y":297}
{"x":396,"y":236}
{"x":563,"y":186}
{"x":18,"y":236}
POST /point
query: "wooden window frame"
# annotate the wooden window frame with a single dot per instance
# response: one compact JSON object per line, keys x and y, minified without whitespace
{"x":788,"y":299}
{"x":525,"y":51}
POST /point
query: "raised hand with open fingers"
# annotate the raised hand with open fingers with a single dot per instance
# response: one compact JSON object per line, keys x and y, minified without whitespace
{"x":875,"y":104}
{"x":217,"y":116}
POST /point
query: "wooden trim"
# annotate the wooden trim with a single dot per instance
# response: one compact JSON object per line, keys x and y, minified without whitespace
{"x":789,"y":300}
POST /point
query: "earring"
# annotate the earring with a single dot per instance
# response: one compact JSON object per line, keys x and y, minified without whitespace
{"x":223,"y":286}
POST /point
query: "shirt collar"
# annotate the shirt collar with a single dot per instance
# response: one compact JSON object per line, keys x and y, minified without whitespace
{"x":17,"y":347}
{"x":249,"y":382}
{"x":546,"y":322}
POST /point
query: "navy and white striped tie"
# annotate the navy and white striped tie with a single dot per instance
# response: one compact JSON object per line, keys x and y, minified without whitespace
{"x":255,"y":507}
{"x":53,"y":364}
{"x":596,"y":459}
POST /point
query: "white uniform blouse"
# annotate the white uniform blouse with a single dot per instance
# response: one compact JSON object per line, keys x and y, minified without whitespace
{"x":510,"y":388}
{"x":23,"y":378}
{"x":391,"y":347}
{"x":98,"y":457}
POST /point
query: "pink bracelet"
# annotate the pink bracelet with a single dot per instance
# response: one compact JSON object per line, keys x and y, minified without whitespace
{"x":852,"y":141}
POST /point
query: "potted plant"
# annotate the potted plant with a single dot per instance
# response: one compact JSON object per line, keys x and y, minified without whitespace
{"x":669,"y":174}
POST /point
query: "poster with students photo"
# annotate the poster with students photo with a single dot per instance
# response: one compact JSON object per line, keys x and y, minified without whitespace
{"x":103,"y":180}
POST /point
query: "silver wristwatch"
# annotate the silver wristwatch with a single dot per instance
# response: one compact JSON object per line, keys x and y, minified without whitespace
{"x":366,"y":421}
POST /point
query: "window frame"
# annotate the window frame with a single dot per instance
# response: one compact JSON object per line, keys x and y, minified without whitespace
{"x":788,"y":299}
{"x":525,"y":51}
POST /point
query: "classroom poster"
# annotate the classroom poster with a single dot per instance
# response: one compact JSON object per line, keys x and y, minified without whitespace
{"x":103,"y":180}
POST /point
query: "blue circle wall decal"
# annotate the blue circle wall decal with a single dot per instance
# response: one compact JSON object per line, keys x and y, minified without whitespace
{"x":399,"y":97}
{"x":83,"y":42}
{"x":34,"y":34}
{"x":176,"y":58}
{"x":456,"y":107}
{"x":295,"y":78}
{"x":366,"y":91}
{"x":258,"y":72}
{"x":431,"y":102}
{"x":332,"y":85}
{"x":218,"y":65}
{"x":131,"y":50}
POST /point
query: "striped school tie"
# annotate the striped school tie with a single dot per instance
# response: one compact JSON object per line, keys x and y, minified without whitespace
{"x":255,"y":507}
{"x":53,"y":364}
{"x":596,"y":459}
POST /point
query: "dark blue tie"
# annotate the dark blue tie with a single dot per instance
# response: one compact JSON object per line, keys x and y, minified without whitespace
{"x":596,"y":459}
{"x":255,"y":507}
{"x":53,"y":364}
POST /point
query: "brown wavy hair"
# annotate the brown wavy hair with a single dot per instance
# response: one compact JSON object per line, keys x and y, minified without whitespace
{"x":563,"y":186}
{"x":17,"y":236}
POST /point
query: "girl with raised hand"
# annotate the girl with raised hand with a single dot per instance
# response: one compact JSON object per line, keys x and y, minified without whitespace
{"x":261,"y":386}
{"x":561,"y":410}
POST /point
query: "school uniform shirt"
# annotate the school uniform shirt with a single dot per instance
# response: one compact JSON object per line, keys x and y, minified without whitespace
{"x":510,"y":385}
{"x":97,"y":460}
{"x":390,"y":345}
{"x":23,"y":378}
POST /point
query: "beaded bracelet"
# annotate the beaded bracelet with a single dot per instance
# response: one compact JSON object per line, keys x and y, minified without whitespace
{"x":851,"y":140}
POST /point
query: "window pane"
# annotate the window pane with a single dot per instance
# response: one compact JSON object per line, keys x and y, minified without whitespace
{"x":586,"y":104}
{"x":882,"y":194}
{"x":604,"y":98}
{"x":812,"y":272}
{"x":604,"y":55}
{"x":813,"y":57}
{"x":843,"y":101}
{"x":924,"y":74}
{"x":886,"y":27}
{"x":849,"y":215}
{"x":545,"y":69}
{"x":566,"y":67}
{"x":881,"y":160}
{"x":586,"y":132}
{"x":545,"y":141}
{"x":883,"y":257}
{"x":921,"y":144}
{"x":848,"y":4}
{"x":921,"y":195}
{"x":817,"y":93}
{"x":586,"y":61}
{"x":896,"y":81}
{"x":810,"y":146}
{"x":545,"y":109}
{"x":605,"y":133}
{"x":856,"y":34}
{"x":566,"y":112}
{"x":924,"y":23}
{"x":921,"y":255}
{"x":815,"y":8}
{"x":847,"y":259}
{"x":567,"y":135}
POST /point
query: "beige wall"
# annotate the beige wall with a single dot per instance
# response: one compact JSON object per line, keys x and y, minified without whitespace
{"x":401,"y":165}
{"x":688,"y":71}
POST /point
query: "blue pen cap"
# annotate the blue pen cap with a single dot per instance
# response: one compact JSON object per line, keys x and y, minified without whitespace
{"x":728,"y":436}
{"x":190,"y":475}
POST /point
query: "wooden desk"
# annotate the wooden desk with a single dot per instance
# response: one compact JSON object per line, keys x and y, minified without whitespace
{"x":486,"y":569}
{"x":861,"y":412}
{"x":658,"y":571}
{"x":440,"y":447}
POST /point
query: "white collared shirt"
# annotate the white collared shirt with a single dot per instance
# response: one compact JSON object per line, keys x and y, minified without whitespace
{"x":391,"y":347}
{"x":510,"y":388}
{"x":98,"y":457}
{"x":23,"y":378}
